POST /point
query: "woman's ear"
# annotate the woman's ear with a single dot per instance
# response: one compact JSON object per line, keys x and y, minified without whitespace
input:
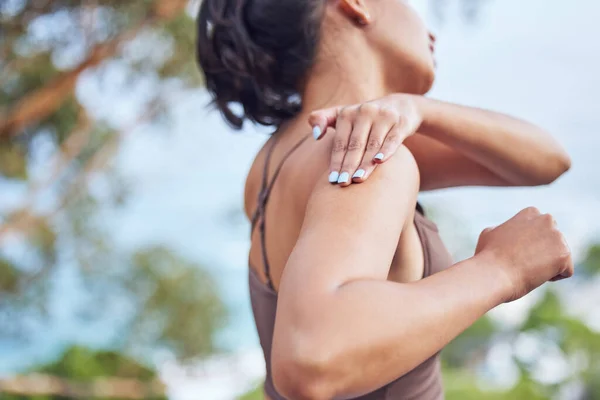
{"x":356,"y":10}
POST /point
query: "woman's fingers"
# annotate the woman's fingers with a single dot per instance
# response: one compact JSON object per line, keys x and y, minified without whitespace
{"x":392,"y":142}
{"x":357,"y":143}
{"x":379,"y":131}
{"x":383,"y":123}
{"x":344,"y":125}
{"x":365,"y":135}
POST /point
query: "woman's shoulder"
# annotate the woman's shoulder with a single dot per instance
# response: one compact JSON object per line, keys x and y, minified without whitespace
{"x":306,"y":172}
{"x":397,"y":172}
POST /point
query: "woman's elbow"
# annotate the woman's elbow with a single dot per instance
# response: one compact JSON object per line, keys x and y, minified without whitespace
{"x":557,"y":165}
{"x":302,"y":374}
{"x":564,"y":162}
{"x":546,"y":169}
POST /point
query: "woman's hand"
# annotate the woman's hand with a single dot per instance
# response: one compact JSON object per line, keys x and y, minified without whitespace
{"x":366,"y":134}
{"x":529,"y":249}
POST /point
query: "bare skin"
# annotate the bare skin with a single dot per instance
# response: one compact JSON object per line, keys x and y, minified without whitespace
{"x":340,"y":256}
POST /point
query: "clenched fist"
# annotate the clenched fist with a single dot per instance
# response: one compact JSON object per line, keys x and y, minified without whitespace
{"x":529,"y":249}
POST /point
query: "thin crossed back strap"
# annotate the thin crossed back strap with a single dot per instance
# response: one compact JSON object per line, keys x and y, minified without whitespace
{"x":265,"y":192}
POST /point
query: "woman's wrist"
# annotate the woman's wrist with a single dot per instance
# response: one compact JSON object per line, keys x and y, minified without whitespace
{"x":421,"y":104}
{"x":495,"y":276}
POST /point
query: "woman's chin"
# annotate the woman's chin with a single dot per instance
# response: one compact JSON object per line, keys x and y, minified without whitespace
{"x":428,"y":85}
{"x":425,"y":83}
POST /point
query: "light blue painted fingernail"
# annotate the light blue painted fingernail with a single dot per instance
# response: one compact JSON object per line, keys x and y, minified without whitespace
{"x":359,"y":174}
{"x":379,"y":156}
{"x":317,"y":132}
{"x":333,"y":177}
{"x":344,"y":177}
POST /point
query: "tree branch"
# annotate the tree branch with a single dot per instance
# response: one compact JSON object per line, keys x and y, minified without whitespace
{"x":46,"y":100}
{"x":24,"y":219}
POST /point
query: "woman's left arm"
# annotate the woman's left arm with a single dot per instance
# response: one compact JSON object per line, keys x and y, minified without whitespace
{"x":464,"y":146}
{"x":454,"y":145}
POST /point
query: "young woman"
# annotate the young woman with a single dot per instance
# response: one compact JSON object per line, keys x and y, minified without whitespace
{"x":352,"y":290}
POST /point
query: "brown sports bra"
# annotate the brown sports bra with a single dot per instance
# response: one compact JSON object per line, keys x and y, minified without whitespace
{"x":423,"y":382}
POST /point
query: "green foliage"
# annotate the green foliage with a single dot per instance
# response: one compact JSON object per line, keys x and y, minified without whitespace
{"x":256,"y":394}
{"x":13,"y":160}
{"x":62,"y":122}
{"x":35,"y":71}
{"x":9,"y":276}
{"x":182,"y":63}
{"x":179,"y":305}
{"x":19,"y":287}
{"x":591,"y":264}
{"x":43,"y":239}
{"x":471,"y":346}
{"x":549,"y":322}
{"x":546,"y":312}
{"x":82,"y":365}
{"x":460,"y":384}
{"x":45,"y":49}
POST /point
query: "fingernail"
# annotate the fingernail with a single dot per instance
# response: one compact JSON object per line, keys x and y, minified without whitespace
{"x":333,"y":177}
{"x":317,"y":132}
{"x":359,"y":174}
{"x":379,"y":156}
{"x":344,"y":177}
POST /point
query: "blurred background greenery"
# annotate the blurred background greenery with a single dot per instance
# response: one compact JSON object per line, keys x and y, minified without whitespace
{"x":78,"y":80}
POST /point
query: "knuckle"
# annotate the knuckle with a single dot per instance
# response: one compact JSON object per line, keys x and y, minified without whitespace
{"x":532,"y":211}
{"x":347,"y":113}
{"x":369,"y":109}
{"x":565,"y":256}
{"x":485,"y":231}
{"x":389,"y":114}
{"x":355,"y":144}
{"x":548,"y":220}
{"x":393,"y":138}
{"x":374,"y":144}
{"x":340,"y":145}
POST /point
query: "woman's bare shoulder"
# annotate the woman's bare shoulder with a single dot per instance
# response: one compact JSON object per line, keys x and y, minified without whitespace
{"x":396,"y":178}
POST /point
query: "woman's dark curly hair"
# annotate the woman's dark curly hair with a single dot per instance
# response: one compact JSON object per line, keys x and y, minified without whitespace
{"x":256,"y":53}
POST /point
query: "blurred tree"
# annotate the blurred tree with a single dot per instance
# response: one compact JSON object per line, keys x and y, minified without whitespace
{"x":178,"y":306}
{"x":56,"y":151}
{"x":83,"y":373}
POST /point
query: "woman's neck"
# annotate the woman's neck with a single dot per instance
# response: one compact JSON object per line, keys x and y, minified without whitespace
{"x":350,"y":73}
{"x":344,"y":81}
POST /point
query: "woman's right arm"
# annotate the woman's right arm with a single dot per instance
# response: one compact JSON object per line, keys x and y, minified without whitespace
{"x":342,"y":330}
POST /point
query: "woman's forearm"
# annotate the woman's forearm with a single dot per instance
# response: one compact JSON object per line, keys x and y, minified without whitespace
{"x":517,"y":151}
{"x":367,"y":333}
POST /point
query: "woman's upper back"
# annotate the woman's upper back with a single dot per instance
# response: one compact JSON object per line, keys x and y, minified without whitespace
{"x":288,"y":165}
